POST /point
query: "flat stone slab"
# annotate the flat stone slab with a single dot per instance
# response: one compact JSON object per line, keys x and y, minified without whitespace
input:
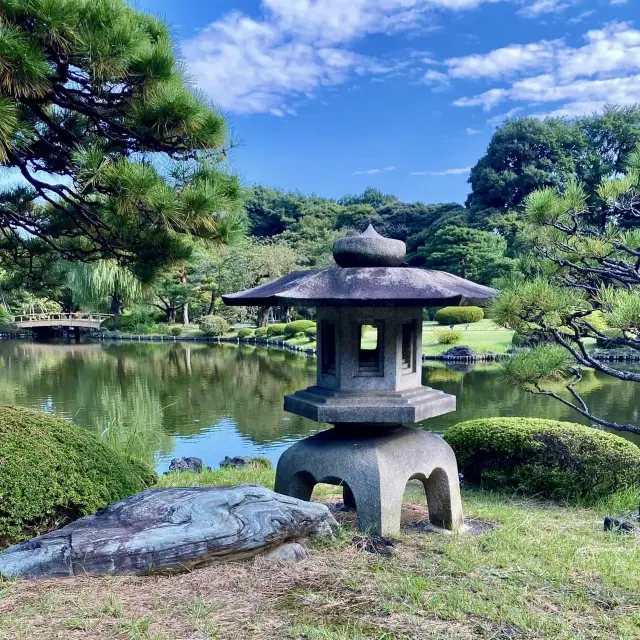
{"x":381,"y":407}
{"x":169,"y":530}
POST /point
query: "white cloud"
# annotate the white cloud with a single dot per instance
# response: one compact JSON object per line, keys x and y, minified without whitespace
{"x":371,"y":172}
{"x":581,"y":16}
{"x":446,"y":172}
{"x":614,"y":2}
{"x":504,"y":61}
{"x":540,"y":7}
{"x":250,"y":65}
{"x":472,"y":132}
{"x":436,"y":78}
{"x":604,"y":70}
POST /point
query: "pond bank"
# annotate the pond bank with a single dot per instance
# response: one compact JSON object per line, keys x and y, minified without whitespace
{"x":603,"y":356}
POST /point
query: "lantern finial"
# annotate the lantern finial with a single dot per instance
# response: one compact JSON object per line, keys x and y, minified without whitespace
{"x":369,"y":249}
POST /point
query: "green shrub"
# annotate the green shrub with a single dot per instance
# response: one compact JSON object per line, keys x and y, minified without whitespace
{"x":213,"y":326}
{"x":276,"y":329}
{"x":299,"y":326}
{"x":557,"y":460}
{"x":311,"y":333}
{"x":136,"y":322}
{"x":459,"y":315}
{"x":53,"y":471}
{"x":245,"y":332}
{"x":261,"y":332}
{"x":161,"y":329}
{"x":175,"y":331}
{"x":448,"y":336}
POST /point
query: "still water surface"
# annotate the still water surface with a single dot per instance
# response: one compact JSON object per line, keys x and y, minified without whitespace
{"x":209,"y":400}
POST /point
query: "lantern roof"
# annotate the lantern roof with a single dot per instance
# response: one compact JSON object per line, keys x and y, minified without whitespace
{"x":370,"y":274}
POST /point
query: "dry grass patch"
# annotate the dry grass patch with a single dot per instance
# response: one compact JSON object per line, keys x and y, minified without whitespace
{"x":544,"y":572}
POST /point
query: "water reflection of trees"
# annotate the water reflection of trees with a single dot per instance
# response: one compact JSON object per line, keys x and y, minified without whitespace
{"x":141,"y":394}
{"x":483,"y":392}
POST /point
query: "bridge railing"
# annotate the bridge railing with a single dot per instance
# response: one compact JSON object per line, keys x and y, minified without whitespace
{"x":61,"y":317}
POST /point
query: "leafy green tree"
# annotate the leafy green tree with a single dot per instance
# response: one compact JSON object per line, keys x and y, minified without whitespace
{"x":252,"y":264}
{"x":116,"y":157}
{"x":312,"y":235}
{"x":524,"y":154}
{"x":470,"y":253}
{"x":270,"y":210}
{"x":105,"y":281}
{"x":611,"y":137}
{"x":591,"y":289}
{"x":370,"y":196}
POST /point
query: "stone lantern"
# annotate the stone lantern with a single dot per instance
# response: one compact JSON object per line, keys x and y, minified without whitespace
{"x":369,"y":382}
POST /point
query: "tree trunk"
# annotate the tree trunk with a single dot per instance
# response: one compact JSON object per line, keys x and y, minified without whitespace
{"x":185,"y":314}
{"x":263,"y":316}
{"x":171,"y":315}
{"x":185,"y":306}
{"x":211,"y":311}
{"x":116,"y":308}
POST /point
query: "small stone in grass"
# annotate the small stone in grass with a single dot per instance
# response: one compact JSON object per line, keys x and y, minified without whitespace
{"x":613,"y":524}
{"x":186,"y":464}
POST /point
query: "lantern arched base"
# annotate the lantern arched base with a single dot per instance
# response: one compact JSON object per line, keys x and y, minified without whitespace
{"x":374,"y":465}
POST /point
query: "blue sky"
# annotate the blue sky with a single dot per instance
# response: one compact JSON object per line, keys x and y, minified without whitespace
{"x":331,"y":96}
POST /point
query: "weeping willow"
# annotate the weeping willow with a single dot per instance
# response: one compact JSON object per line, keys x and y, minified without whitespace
{"x":105,"y":281}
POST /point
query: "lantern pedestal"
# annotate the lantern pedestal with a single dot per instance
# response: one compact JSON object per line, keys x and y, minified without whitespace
{"x":374,"y":464}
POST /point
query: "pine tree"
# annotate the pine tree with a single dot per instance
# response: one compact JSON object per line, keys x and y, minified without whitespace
{"x":587,"y":287}
{"x":115,"y":156}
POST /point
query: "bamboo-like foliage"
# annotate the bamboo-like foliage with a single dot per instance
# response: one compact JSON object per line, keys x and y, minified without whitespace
{"x":93,"y":98}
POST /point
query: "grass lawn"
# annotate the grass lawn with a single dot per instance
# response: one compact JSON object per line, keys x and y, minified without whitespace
{"x":544,"y":571}
{"x":481,"y":336}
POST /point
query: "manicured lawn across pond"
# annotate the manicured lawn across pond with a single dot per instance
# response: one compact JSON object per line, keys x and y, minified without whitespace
{"x":481,"y":336}
{"x":541,"y":571}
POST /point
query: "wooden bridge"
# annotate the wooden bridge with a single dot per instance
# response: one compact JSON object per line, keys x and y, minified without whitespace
{"x":60,"y":320}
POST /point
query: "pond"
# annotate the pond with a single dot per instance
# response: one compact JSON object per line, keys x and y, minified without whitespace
{"x":160,"y":401}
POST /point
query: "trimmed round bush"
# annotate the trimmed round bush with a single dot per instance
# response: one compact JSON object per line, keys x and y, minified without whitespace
{"x":52,"y":472}
{"x":213,"y":326}
{"x":276,"y":329}
{"x":298,"y":326}
{"x":557,"y":460}
{"x":448,"y":336}
{"x":175,"y":331}
{"x":459,"y":315}
{"x":245,"y":333}
{"x":261,"y":332}
{"x":311,"y":333}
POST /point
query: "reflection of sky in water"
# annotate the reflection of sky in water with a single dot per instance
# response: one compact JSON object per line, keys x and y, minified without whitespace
{"x":212,"y":401}
{"x":220,"y":440}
